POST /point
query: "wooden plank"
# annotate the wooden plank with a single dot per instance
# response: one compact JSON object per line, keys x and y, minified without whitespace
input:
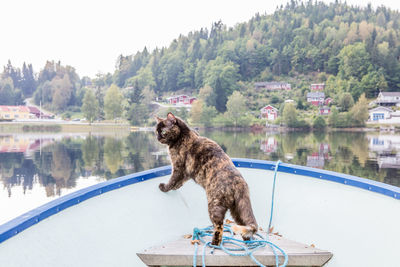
{"x":180,"y":253}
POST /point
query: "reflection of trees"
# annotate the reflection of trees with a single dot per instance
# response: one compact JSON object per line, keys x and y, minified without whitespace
{"x":15,"y":171}
{"x":90,"y":152}
{"x":58,"y":165}
{"x":238,"y":144}
{"x":61,"y":166}
{"x":292,"y":141}
{"x":113,"y":154}
{"x":139,"y":147}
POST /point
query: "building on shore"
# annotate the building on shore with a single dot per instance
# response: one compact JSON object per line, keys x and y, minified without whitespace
{"x":181,"y":100}
{"x":316,"y":98}
{"x":317,"y":87}
{"x":388,"y":99}
{"x":380,"y":113}
{"x":9,"y":113}
{"x":272,"y":86}
{"x":269,"y":112}
{"x":324,"y":110}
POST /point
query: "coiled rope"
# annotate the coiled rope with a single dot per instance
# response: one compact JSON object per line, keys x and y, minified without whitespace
{"x":238,"y":247}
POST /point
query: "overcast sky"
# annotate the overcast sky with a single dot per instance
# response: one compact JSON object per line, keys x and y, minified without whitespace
{"x":89,"y":35}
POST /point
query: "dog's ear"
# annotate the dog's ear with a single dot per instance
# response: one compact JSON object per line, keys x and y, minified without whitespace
{"x":171,"y":117}
{"x":158,"y":119}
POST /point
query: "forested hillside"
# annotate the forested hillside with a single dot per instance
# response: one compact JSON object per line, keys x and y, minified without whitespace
{"x":353,"y":50}
{"x":357,"y":48}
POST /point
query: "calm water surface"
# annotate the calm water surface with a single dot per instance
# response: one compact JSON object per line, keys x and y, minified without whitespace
{"x":37,"y":168}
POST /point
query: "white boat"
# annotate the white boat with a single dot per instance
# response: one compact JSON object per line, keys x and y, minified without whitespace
{"x":107,"y":224}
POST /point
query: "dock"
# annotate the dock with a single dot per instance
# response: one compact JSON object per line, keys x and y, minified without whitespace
{"x":180,"y":253}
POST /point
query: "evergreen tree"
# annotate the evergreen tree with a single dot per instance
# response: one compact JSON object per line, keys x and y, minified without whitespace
{"x":137,"y":94}
{"x":221,"y":98}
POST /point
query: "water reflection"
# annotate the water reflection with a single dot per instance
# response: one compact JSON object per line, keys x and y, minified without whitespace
{"x":57,"y":162}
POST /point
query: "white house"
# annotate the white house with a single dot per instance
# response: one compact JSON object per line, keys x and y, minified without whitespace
{"x":316,"y":98}
{"x":380,"y":113}
{"x":273,"y":85}
{"x":388,"y":99}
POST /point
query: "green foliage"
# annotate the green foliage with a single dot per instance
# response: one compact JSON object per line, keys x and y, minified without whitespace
{"x":373,"y":82}
{"x":236,"y":108}
{"x":336,"y":39}
{"x":57,"y":87}
{"x":90,"y":106}
{"x":319,"y":123}
{"x":354,"y":61}
{"x":345,"y":101}
{"x":138,"y":114}
{"x":113,"y":102}
{"x":359,"y":112}
{"x":356,"y":117}
{"x":353,"y":50}
{"x":289,"y":117}
{"x":202,"y":114}
{"x":8,"y":94}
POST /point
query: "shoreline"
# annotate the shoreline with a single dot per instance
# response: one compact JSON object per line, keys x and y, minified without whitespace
{"x":97,"y":127}
{"x":56,"y":127}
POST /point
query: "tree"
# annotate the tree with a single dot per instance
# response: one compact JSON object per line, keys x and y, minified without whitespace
{"x":113,"y":102}
{"x":138,"y":114}
{"x":235,"y":107}
{"x":289,"y":115}
{"x":28,"y":82}
{"x":62,"y":92}
{"x":333,"y":117}
{"x":372,"y":83}
{"x":207,"y":94}
{"x":90,"y":106}
{"x":354,"y":61}
{"x":208,"y":115}
{"x":359,"y":112}
{"x":220,"y":96}
{"x":196,"y":111}
{"x":346,"y":101}
{"x":319,"y":123}
{"x":136,"y":95}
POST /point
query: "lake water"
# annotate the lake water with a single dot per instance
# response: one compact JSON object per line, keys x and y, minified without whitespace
{"x":37,"y":168}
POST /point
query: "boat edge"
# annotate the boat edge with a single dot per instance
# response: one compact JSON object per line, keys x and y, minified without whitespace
{"x":17,"y":225}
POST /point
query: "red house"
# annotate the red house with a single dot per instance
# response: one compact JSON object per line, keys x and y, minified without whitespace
{"x":181,"y":99}
{"x":324,"y":110}
{"x":269,"y":112}
{"x":328,"y":100}
{"x":269,"y":145}
{"x":317,"y":86}
{"x":316,"y":98}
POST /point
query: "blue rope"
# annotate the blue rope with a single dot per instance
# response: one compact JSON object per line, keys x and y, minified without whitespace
{"x":273,"y":196}
{"x":238,"y":247}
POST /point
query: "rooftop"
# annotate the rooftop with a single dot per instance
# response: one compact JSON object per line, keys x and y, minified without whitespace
{"x":316,"y":94}
{"x":390,"y":93}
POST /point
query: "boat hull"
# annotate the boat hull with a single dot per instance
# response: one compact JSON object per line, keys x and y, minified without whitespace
{"x":108,"y":229}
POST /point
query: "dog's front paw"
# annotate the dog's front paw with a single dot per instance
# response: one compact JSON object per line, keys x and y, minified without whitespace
{"x":163,"y":187}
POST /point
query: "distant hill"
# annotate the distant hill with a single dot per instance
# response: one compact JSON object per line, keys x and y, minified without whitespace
{"x":350,"y":48}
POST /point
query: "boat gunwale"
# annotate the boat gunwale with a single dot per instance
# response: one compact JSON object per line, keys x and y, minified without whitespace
{"x":17,"y":225}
